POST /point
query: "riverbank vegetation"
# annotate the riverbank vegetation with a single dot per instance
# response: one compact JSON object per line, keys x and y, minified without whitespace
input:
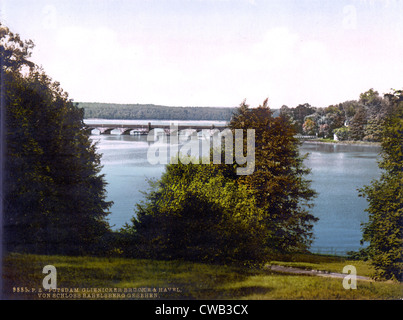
{"x":384,"y":230}
{"x":354,"y":120}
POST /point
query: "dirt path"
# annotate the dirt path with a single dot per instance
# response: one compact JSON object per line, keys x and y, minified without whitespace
{"x":283,"y":269}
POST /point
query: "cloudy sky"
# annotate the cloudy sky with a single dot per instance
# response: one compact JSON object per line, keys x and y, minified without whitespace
{"x":214,"y":52}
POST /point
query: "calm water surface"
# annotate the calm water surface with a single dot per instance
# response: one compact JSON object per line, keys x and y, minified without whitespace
{"x":337,"y":172}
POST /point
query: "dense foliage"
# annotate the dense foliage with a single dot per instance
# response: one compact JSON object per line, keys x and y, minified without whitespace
{"x":153,"y":112}
{"x":198,"y":213}
{"x":357,"y":120}
{"x":54,"y":194}
{"x":384,"y":231}
{"x":206,"y":212}
{"x":279,"y":182}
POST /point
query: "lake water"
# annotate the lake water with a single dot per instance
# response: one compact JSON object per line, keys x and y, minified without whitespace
{"x":337,"y":172}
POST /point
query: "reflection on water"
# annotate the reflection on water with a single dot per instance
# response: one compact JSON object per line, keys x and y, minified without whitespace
{"x":337,"y":172}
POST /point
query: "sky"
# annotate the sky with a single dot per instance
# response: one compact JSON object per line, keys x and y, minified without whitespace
{"x":214,"y":52}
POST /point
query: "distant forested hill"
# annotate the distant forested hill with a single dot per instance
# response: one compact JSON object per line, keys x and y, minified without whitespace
{"x":153,"y":112}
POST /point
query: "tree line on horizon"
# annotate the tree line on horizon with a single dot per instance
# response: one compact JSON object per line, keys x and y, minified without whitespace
{"x":54,"y":195}
{"x":153,"y":112}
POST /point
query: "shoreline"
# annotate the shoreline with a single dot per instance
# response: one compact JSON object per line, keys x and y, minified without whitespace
{"x":348,"y":143}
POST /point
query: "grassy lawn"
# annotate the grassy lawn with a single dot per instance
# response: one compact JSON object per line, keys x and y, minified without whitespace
{"x":151,"y":279}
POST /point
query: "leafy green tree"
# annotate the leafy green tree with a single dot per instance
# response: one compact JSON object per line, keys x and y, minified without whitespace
{"x":299,"y":113}
{"x":349,"y":108}
{"x":279,"y":181}
{"x":369,"y":97}
{"x":195,"y":212}
{"x":342,"y":133}
{"x":373,"y":129}
{"x":309,"y":127}
{"x":375,"y":114}
{"x":384,"y":230}
{"x":357,"y":124}
{"x":15,"y":53}
{"x":54,"y":197}
{"x":333,"y":118}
